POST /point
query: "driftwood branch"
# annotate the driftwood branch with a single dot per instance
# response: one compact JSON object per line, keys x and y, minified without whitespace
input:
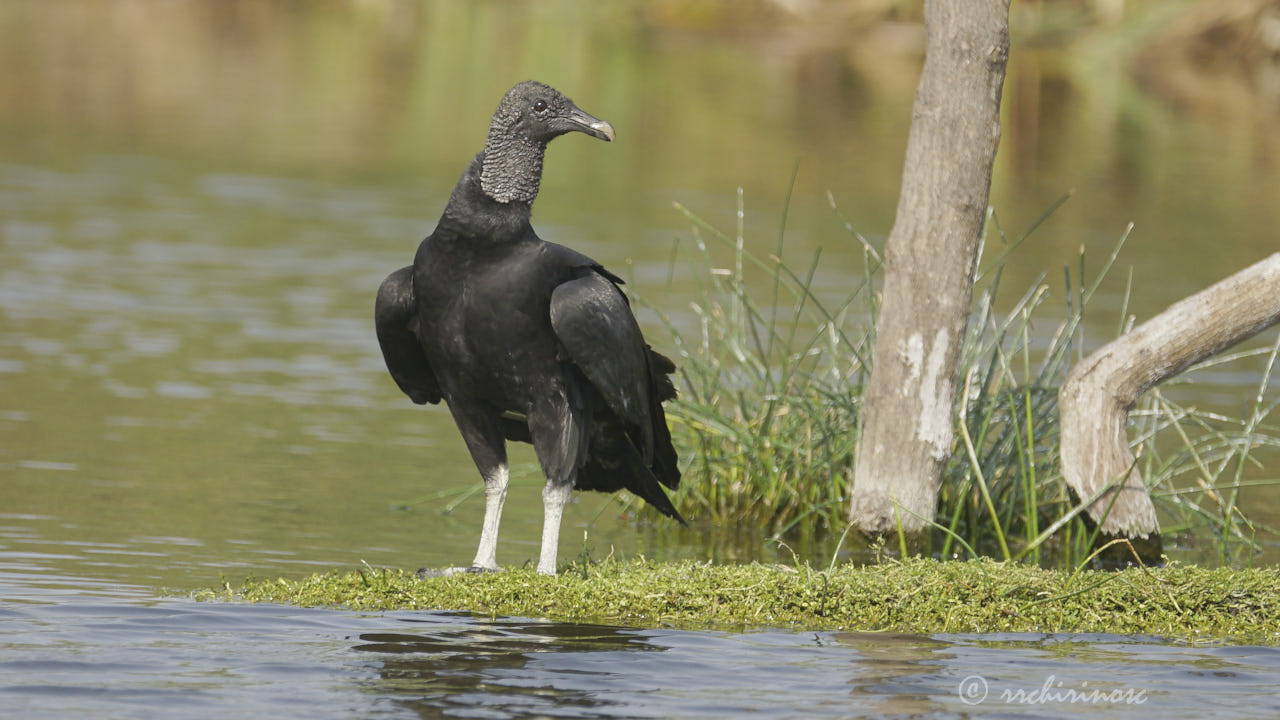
{"x":1099,"y":392}
{"x":929,"y":262}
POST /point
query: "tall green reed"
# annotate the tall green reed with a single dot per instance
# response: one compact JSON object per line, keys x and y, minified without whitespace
{"x":771,"y":399}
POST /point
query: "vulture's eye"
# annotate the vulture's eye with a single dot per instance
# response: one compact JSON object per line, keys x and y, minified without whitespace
{"x":540,"y":106}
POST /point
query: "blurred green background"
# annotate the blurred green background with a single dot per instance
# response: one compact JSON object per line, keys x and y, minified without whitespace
{"x":199,"y":199}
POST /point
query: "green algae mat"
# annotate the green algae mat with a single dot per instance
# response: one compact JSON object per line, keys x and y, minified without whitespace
{"x":921,"y":596}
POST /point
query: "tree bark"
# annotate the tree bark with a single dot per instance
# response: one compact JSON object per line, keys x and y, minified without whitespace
{"x":1095,"y":400}
{"x":930,"y":259}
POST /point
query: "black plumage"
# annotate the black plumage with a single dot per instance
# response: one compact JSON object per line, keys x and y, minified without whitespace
{"x":527,"y":340}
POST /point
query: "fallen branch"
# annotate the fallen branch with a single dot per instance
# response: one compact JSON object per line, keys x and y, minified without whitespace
{"x":1101,"y":390}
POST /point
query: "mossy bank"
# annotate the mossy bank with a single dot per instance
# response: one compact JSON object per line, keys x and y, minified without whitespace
{"x":922,"y":596}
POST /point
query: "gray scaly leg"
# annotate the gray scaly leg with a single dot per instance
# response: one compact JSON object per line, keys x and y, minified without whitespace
{"x":554,"y":497}
{"x":495,"y":494}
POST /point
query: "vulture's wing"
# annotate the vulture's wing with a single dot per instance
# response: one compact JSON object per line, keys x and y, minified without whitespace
{"x":399,"y":330}
{"x":594,"y":324}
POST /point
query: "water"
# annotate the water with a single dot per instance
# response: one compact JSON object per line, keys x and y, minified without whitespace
{"x":194,"y":219}
{"x":117,"y":654}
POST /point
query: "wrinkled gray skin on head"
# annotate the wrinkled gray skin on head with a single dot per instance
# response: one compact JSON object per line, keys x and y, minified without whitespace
{"x":530,"y":115}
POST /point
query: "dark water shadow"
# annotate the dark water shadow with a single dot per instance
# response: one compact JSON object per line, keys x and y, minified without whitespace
{"x":503,"y":667}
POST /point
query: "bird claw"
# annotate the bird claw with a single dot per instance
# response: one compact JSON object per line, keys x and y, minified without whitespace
{"x":425,"y":573}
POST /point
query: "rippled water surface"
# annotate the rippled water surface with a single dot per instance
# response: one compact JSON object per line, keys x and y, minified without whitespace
{"x":197,"y":203}
{"x":117,"y":654}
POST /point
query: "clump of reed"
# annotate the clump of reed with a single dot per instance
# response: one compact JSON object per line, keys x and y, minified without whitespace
{"x":770,"y":387}
{"x":771,"y":398}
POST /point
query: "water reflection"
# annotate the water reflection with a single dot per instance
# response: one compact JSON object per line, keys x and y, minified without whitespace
{"x":901,"y":669}
{"x":452,"y":665}
{"x":510,"y":668}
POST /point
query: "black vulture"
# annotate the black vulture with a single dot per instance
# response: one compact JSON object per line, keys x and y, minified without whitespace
{"x":527,"y":340}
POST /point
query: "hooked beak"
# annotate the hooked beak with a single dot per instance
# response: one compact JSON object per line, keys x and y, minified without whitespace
{"x":593,"y":126}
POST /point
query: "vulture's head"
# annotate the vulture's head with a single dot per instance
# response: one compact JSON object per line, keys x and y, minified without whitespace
{"x":535,"y":113}
{"x":530,"y":115}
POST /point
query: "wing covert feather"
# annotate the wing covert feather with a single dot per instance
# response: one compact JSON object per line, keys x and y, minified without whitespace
{"x":594,"y":324}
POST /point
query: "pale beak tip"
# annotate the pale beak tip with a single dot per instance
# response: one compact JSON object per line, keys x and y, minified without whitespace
{"x":604,"y":129}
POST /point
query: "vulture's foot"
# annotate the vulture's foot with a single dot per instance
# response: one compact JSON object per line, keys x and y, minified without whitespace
{"x":424,"y":573}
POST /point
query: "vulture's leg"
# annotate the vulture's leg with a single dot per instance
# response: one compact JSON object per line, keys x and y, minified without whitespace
{"x":495,"y":493}
{"x":554,"y":497}
{"x":481,"y":428}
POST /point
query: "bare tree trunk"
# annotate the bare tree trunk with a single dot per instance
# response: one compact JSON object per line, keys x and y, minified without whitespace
{"x":929,"y":266}
{"x":1095,"y":400}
